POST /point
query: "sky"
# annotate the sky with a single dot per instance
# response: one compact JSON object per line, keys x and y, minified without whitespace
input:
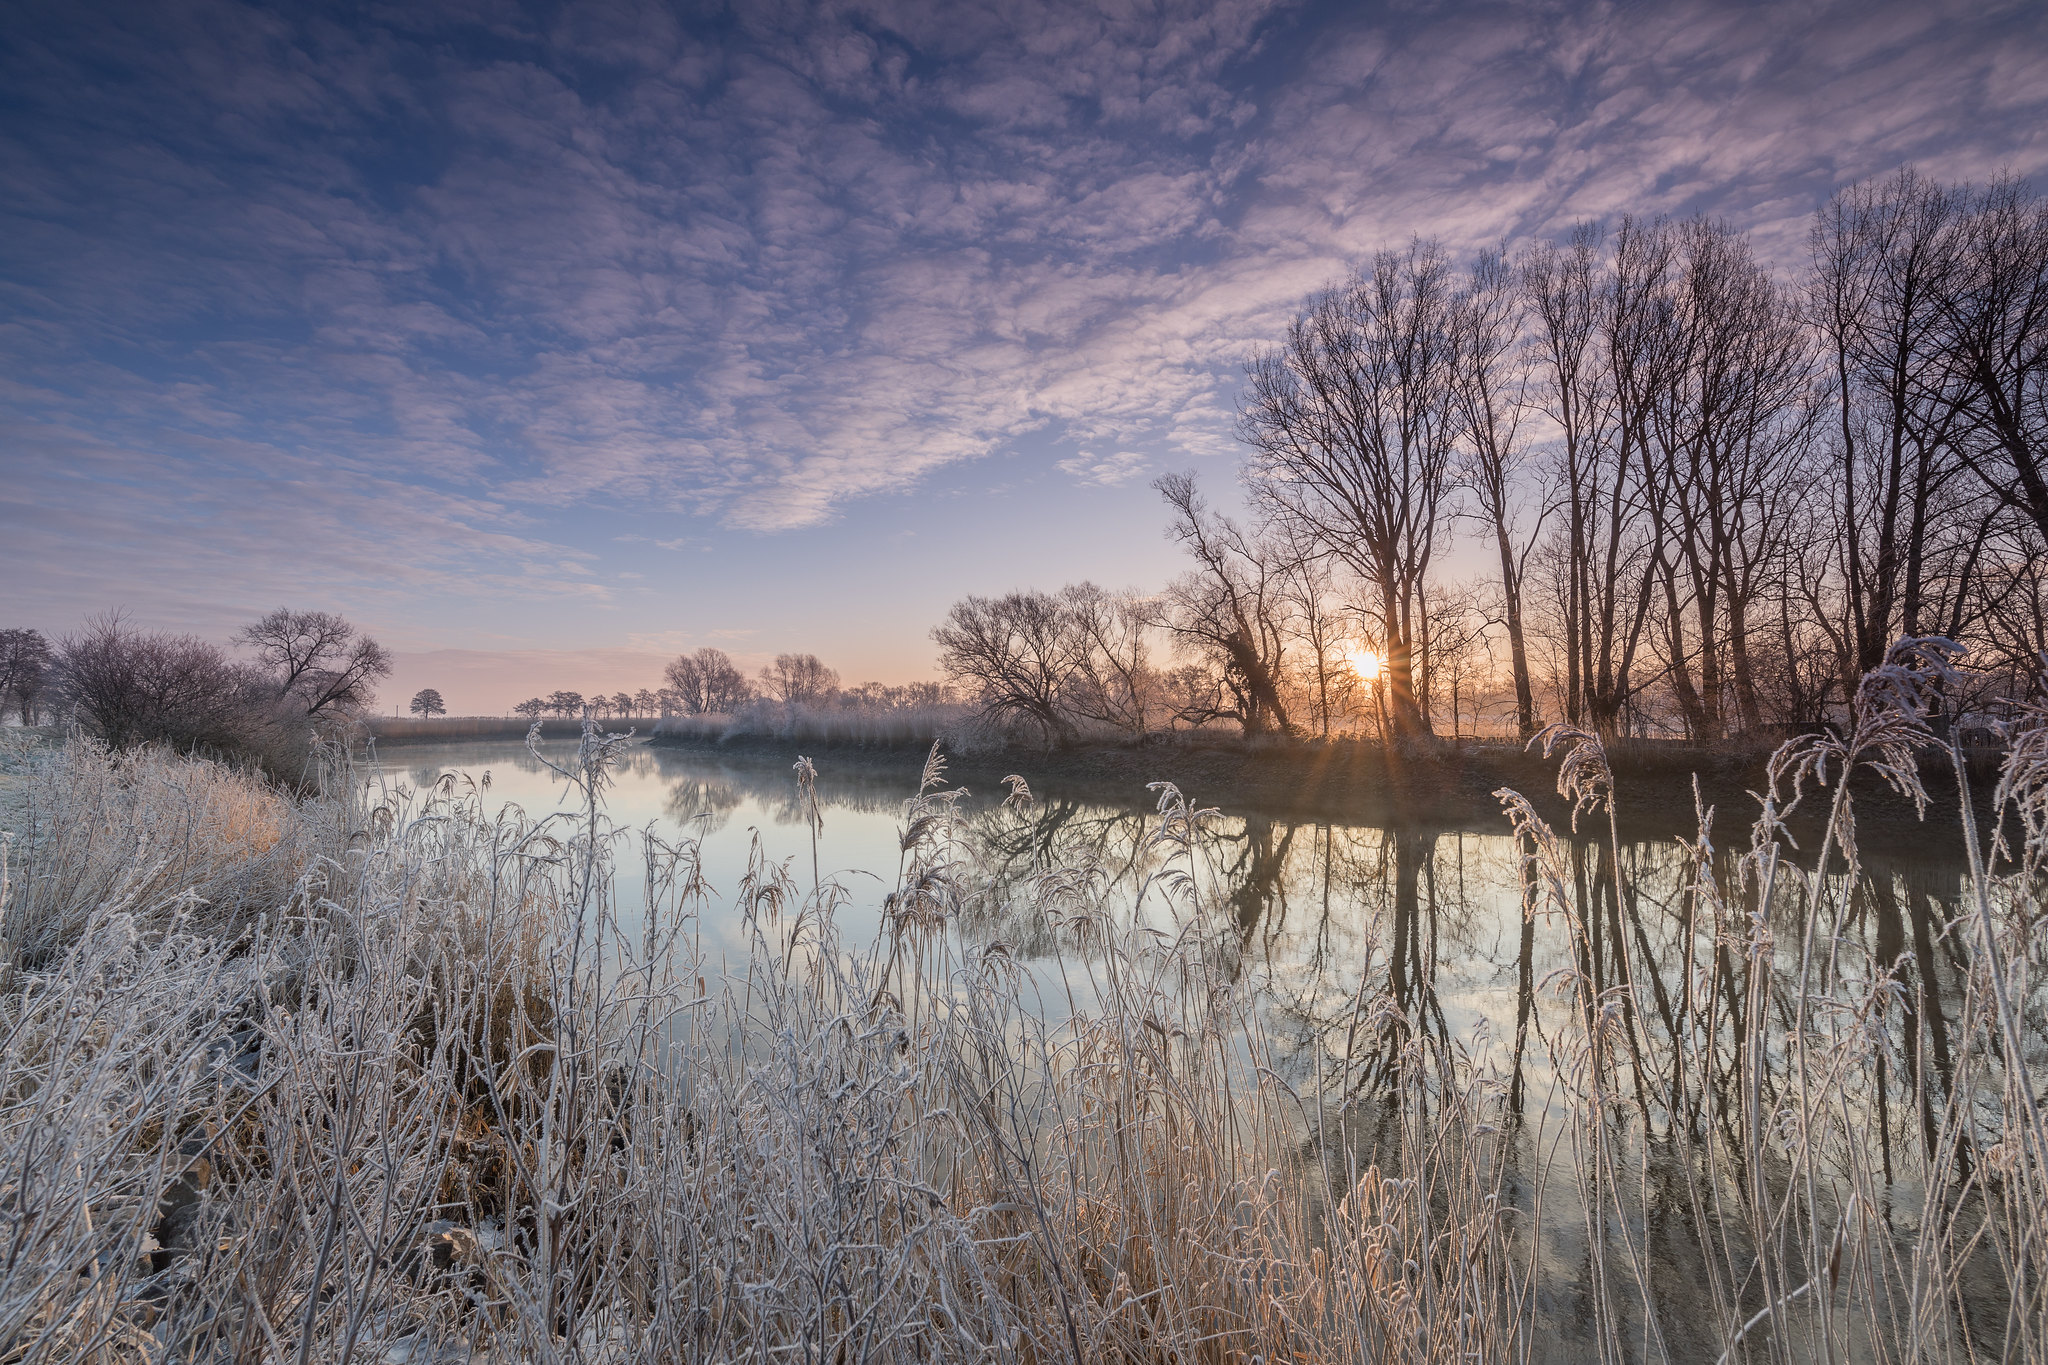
{"x":544,"y":341}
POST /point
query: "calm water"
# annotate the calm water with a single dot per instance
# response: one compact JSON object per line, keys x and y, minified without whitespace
{"x":1322,"y":911}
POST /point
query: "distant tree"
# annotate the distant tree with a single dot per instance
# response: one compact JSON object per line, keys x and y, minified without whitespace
{"x":670,"y":702}
{"x":875,"y":696}
{"x":799,"y":680}
{"x":317,"y":658}
{"x":427,"y":702}
{"x":926,"y":694}
{"x":533,"y":708}
{"x":1108,"y":634}
{"x":598,"y":704}
{"x":622,"y":704}
{"x":645,"y":703}
{"x":707,"y":682}
{"x":565,"y":703}
{"x":25,"y":658}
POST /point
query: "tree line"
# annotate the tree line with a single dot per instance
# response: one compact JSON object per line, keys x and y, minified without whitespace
{"x":1709,"y":495}
{"x":707,"y":682}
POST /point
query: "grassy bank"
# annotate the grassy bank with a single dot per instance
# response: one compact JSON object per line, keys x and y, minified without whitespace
{"x":382,"y":1074}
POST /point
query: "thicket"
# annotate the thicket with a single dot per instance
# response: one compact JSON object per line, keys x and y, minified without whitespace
{"x":391,"y":1073}
{"x":129,"y":688}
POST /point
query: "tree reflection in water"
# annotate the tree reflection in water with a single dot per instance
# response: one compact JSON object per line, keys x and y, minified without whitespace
{"x":1405,"y":981}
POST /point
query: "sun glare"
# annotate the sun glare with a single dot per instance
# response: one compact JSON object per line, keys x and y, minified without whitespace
{"x":1364,"y":662}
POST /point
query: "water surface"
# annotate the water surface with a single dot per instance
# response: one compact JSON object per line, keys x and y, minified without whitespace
{"x":1324,"y":913}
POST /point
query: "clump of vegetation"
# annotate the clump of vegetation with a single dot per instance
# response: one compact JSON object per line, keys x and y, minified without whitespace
{"x":129,"y":688}
{"x":429,"y":1085}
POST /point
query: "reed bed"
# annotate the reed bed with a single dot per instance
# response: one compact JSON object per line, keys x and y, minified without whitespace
{"x":424,"y":1087}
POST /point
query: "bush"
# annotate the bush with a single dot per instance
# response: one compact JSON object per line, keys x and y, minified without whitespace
{"x":128,"y":688}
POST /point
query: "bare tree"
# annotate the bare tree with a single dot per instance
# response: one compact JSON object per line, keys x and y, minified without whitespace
{"x":1318,"y":617}
{"x":1231,"y":610}
{"x":317,"y":658}
{"x":1351,"y":429}
{"x":1489,"y":392}
{"x":1594,"y":380}
{"x":1457,"y":642}
{"x":427,"y":702}
{"x":533,"y":708}
{"x":707,"y":682}
{"x":1994,"y":309}
{"x":646,"y":703}
{"x":1881,"y":262}
{"x":133,"y":687}
{"x":1014,"y":656}
{"x":1729,"y":429}
{"x":25,"y":659}
{"x":799,"y":680}
{"x":565,"y":703}
{"x":1113,"y":681}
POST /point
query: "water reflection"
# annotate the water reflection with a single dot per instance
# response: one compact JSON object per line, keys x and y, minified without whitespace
{"x":1376,"y":947}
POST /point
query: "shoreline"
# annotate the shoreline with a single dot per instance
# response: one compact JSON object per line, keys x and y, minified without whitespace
{"x":1364,"y":783}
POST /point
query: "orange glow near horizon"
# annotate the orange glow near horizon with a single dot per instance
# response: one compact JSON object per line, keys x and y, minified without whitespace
{"x":1364,"y":662}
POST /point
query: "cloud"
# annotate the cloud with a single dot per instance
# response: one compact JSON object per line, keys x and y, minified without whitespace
{"x":394,"y":303}
{"x":1105,"y":471}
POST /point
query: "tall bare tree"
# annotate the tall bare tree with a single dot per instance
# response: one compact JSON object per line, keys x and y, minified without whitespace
{"x":1994,"y":308}
{"x":1351,"y":427}
{"x":1489,"y":393}
{"x":1230,"y":609}
{"x":1882,"y":258}
{"x":1728,"y":431}
{"x":1591,"y":382}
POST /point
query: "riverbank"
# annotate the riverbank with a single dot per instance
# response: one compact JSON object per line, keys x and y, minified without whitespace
{"x":1449,"y":786}
{"x":392,"y":731}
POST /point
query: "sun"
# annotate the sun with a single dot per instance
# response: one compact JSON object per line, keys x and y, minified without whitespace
{"x":1364,"y":662}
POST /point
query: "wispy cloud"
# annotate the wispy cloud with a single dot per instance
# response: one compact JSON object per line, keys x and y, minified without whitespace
{"x":1105,"y":471}
{"x":300,"y":303}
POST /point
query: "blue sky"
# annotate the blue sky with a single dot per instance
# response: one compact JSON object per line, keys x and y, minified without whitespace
{"x":545,"y":340}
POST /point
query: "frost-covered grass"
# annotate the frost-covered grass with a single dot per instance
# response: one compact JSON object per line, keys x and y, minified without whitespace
{"x":383,"y":1074}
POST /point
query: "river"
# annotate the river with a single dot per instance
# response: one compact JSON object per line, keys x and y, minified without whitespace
{"x":1325,"y":912}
